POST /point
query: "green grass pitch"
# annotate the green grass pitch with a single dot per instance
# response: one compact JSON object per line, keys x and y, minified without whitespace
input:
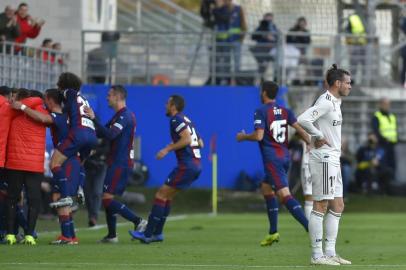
{"x":228,"y":241}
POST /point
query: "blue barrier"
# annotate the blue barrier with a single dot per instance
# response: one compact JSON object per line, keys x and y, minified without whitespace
{"x":216,"y":111}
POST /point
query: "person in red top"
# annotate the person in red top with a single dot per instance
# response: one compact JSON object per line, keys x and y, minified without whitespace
{"x":4,"y":127}
{"x":29,"y":28}
{"x":25,"y":163}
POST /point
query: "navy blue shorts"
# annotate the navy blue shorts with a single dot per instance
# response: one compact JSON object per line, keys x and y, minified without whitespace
{"x":78,"y":141}
{"x":116,"y":179}
{"x":183,"y":176}
{"x":72,"y":171}
{"x":276,"y":174}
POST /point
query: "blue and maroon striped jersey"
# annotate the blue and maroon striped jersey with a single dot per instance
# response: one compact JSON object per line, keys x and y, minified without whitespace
{"x":190,"y":153}
{"x":120,"y":131}
{"x":274,"y":120}
{"x":74,"y":107}
{"x":59,"y":128}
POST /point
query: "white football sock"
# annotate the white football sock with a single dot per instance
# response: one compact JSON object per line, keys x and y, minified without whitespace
{"x":308,"y":206}
{"x":332,"y":222}
{"x":316,"y":233}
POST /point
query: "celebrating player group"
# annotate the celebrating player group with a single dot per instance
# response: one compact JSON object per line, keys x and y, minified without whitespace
{"x":75,"y":128}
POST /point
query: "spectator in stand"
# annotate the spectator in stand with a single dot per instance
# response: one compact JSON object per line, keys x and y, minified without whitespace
{"x":297,"y":43}
{"x":301,"y":41}
{"x":9,"y":29}
{"x":29,"y":28}
{"x":54,"y":56}
{"x":384,"y":126}
{"x":44,"y":53}
{"x":25,"y":164}
{"x":230,"y":26}
{"x":266,"y":36}
{"x":372,"y":174}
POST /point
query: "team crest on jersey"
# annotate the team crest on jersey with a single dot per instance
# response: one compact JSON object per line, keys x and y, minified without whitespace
{"x":315,"y":113}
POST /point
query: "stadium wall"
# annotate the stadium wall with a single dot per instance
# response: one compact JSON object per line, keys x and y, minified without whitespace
{"x":216,"y":111}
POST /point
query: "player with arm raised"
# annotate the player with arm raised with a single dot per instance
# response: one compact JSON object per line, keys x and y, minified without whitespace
{"x":186,"y":144}
{"x":271,"y":132}
{"x":323,"y":122}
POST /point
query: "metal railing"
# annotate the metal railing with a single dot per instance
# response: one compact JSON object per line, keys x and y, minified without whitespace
{"x":189,"y":58}
{"x":30,"y":67}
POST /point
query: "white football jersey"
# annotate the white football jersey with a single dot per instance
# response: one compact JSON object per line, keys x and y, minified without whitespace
{"x":323,"y":121}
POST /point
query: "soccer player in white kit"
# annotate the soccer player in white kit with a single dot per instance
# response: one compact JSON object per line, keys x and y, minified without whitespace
{"x":323,"y":122}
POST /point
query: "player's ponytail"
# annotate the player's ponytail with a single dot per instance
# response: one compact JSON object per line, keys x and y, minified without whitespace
{"x":335,"y":74}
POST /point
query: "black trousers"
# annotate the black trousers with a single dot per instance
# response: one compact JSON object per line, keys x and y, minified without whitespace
{"x":32,"y":182}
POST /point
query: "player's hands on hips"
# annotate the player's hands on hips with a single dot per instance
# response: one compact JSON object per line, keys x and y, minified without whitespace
{"x":89,"y":112}
{"x":240,"y":136}
{"x":320,"y":142}
{"x":162,"y":153}
{"x":16,"y":105}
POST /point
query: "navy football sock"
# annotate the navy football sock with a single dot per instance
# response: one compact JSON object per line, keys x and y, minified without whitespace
{"x":60,"y":179}
{"x":64,"y":222}
{"x":118,"y":208}
{"x":160,"y":226}
{"x":155,"y":216}
{"x":72,"y":226}
{"x":296,"y":210}
{"x":272,"y":207}
{"x":111,"y":218}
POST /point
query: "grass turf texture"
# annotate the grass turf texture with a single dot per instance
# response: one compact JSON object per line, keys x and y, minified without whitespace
{"x":228,"y":241}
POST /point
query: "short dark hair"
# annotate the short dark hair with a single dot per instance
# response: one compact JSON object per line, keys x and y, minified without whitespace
{"x":335,"y":74}
{"x":22,"y":5}
{"x":22,"y":93}
{"x":36,"y":93}
{"x":119,"y":89}
{"x":55,"y":95}
{"x":4,"y":90}
{"x":270,"y":88}
{"x":68,"y":80}
{"x":178,"y":102}
{"x":45,"y":41}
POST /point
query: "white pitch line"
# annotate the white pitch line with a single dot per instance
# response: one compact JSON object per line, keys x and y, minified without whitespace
{"x":190,"y":265}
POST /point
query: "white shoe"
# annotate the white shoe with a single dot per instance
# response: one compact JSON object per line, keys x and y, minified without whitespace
{"x":323,"y":260}
{"x":142,"y":225}
{"x":339,"y":260}
{"x":67,"y":201}
{"x":109,"y":240}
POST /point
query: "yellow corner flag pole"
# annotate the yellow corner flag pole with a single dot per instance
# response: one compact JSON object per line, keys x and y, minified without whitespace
{"x":214,"y":184}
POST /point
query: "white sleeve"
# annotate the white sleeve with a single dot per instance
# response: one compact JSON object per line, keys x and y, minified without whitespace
{"x":307,"y":118}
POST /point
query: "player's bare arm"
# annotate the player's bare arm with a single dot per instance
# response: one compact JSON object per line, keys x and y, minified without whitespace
{"x":90,"y":113}
{"x":37,"y":116}
{"x":255,"y":136}
{"x":302,"y":133}
{"x":185,"y":140}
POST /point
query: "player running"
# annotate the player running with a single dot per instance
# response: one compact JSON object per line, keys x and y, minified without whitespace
{"x":271,"y":132}
{"x":186,"y":143}
{"x":323,"y":122}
